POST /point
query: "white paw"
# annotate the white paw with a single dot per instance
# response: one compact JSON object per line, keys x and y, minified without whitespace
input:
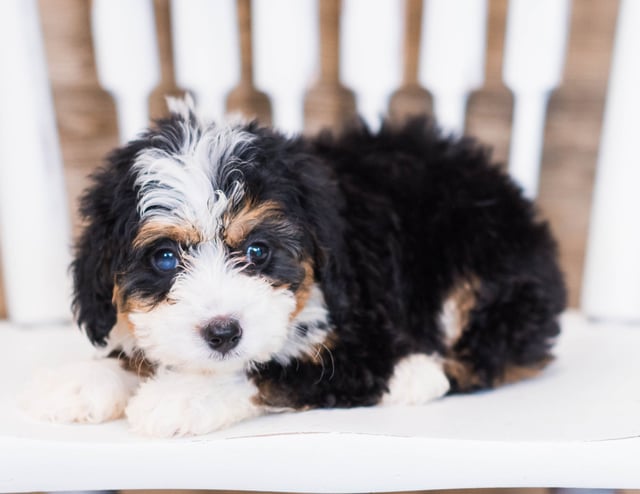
{"x":93,"y":391}
{"x":417,"y":379}
{"x":173,"y":404}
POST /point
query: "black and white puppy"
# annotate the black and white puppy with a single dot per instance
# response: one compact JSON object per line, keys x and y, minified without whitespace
{"x":229,"y":271}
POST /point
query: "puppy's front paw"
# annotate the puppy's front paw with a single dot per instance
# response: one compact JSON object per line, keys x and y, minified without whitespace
{"x":93,"y":391}
{"x":183,"y":405}
{"x":416,"y":380}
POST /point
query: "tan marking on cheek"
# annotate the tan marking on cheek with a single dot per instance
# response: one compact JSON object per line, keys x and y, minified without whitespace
{"x":457,"y":307}
{"x":237,"y":226}
{"x":124,"y":308}
{"x":122,"y":317}
{"x":156,"y":230}
{"x":116,"y":296}
{"x":131,"y":304}
{"x":303,"y":292}
{"x":139,"y":305}
{"x":124,"y":322}
{"x":137,"y":361}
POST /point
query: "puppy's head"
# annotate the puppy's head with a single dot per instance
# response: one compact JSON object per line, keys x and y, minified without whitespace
{"x":202,"y":247}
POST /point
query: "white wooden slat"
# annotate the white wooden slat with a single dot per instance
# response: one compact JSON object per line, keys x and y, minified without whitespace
{"x":535,"y":46}
{"x":452,"y":55}
{"x":206,"y":51}
{"x":527,"y":135}
{"x":127,"y":60}
{"x":371,"y":54}
{"x":612,"y":275}
{"x":285,"y":34}
{"x":34,"y":221}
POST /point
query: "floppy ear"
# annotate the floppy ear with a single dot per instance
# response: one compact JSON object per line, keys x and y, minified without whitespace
{"x":322,"y":206}
{"x":93,"y":278}
{"x":109,"y":209}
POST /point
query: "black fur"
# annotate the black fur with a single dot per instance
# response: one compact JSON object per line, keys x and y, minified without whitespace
{"x":392,"y":221}
{"x":109,"y":208}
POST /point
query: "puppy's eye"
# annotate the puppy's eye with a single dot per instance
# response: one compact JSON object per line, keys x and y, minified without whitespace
{"x":165,"y":260}
{"x":257,"y":254}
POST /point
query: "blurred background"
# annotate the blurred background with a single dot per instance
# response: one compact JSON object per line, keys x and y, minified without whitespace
{"x":87,"y":123}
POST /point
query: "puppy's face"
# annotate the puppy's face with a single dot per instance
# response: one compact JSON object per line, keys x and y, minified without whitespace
{"x":217,"y":271}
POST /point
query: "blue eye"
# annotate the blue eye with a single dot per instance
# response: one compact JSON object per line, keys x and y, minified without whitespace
{"x":257,"y":253}
{"x":164,"y":260}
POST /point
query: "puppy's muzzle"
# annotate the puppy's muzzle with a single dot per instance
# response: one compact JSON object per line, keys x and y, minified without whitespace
{"x":222,"y":334}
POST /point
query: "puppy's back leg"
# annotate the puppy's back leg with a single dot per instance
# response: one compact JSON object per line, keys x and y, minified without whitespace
{"x":505,"y":335}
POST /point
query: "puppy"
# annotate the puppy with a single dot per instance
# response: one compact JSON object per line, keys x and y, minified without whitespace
{"x":228,"y":271}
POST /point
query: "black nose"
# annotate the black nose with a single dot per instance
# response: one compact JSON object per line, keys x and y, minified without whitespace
{"x":222,"y":334}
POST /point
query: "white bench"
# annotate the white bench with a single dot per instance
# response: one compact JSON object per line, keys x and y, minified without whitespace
{"x":576,"y":425}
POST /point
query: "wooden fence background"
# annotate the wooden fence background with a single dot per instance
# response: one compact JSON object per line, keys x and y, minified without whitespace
{"x":87,"y":125}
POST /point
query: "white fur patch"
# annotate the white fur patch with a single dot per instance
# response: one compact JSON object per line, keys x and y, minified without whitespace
{"x":182,"y":187}
{"x":315,"y":317}
{"x":176,"y":404}
{"x":417,"y":379}
{"x":184,"y":107}
{"x":211,"y":286}
{"x":450,"y":321}
{"x":93,"y":391}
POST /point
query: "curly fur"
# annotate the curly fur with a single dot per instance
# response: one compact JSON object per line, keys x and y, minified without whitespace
{"x":371,"y":238}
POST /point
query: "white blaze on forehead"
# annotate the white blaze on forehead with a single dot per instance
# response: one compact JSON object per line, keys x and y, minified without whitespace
{"x":183,"y":187}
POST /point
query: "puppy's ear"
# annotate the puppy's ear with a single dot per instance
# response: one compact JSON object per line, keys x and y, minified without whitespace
{"x":322,"y":206}
{"x":93,"y":278}
{"x":109,"y":210}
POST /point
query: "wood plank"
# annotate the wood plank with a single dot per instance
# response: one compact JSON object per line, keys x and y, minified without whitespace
{"x":86,"y":115}
{"x":167,"y":86}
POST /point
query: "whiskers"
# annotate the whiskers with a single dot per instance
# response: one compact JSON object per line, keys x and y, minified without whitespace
{"x":224,"y":357}
{"x":320,"y":351}
{"x":135,"y":361}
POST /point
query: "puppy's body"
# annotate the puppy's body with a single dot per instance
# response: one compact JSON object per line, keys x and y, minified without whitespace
{"x":263,"y":273}
{"x":434,"y":252}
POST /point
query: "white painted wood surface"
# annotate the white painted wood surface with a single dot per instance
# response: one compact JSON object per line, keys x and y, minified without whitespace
{"x":34,"y":220}
{"x":206,"y":51}
{"x":575,"y":425}
{"x":535,"y":46}
{"x":371,"y":54}
{"x":286,"y":47}
{"x":452,"y":56}
{"x":125,"y":41}
{"x":612,"y":274}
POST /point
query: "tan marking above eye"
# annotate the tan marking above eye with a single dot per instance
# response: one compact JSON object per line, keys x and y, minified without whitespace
{"x":130,"y":304}
{"x":238,"y":225}
{"x":156,"y":230}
